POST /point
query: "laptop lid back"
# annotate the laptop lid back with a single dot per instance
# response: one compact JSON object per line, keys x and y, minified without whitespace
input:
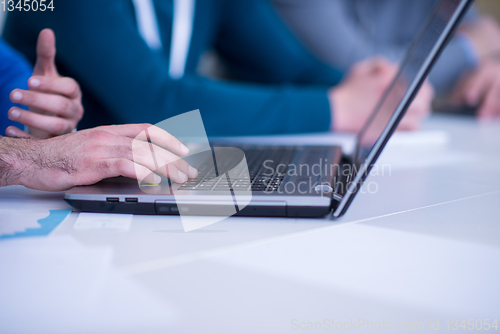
{"x":421,"y":56}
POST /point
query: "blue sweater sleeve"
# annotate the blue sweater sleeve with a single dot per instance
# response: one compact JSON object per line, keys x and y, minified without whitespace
{"x":14,"y":73}
{"x":129,"y":83}
{"x":259,"y":47}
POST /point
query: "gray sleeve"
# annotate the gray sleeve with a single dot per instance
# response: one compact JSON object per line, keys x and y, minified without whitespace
{"x":330,"y":31}
{"x":452,"y":64}
{"x":457,"y":59}
{"x":472,"y":15}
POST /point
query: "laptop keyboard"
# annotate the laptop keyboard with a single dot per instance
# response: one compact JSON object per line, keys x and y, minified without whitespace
{"x":264,"y":174}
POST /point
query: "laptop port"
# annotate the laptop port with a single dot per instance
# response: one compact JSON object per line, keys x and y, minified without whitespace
{"x":112,"y":199}
{"x":131,"y":200}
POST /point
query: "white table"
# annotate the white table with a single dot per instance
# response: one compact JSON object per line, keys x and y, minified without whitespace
{"x":425,"y":248}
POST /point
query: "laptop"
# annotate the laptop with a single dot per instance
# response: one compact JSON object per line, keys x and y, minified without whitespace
{"x":284,"y":181}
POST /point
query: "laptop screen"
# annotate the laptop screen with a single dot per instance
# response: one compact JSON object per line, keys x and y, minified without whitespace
{"x":419,"y":59}
{"x":415,"y":60}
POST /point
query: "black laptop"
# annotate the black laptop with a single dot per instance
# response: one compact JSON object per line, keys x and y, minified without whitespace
{"x":284,"y":181}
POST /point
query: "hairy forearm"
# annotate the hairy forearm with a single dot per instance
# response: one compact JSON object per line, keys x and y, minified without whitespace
{"x":14,"y":160}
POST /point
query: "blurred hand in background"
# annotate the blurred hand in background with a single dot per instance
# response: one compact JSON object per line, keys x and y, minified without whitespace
{"x":481,"y":88}
{"x":372,"y":77}
{"x":54,"y":102}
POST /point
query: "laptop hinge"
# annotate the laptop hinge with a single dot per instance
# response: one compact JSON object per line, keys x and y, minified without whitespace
{"x":344,"y":177}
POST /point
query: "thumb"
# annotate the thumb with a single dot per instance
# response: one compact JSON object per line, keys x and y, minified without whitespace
{"x":46,"y":54}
